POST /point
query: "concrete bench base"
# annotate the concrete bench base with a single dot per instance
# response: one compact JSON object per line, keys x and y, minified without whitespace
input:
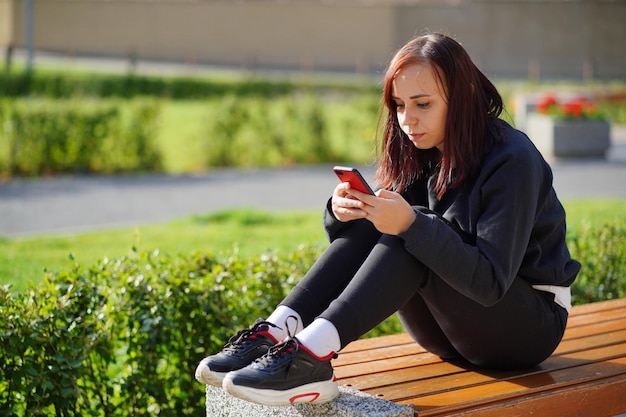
{"x":350,"y":403}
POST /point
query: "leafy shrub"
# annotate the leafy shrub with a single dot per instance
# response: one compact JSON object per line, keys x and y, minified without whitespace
{"x":40,"y":136}
{"x":130,"y":146}
{"x":43,"y":136}
{"x":602,"y":253}
{"x":68,"y":84}
{"x":614,"y":111}
{"x":299,"y":129}
{"x":123,"y":337}
{"x":259,"y":132}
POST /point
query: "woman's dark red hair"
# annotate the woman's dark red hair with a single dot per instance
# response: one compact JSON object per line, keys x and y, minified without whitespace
{"x":474,"y":106}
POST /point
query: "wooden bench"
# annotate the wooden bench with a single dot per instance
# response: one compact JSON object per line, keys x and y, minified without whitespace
{"x":586,"y":376}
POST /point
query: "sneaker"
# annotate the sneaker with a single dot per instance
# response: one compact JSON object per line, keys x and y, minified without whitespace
{"x":240,"y":351}
{"x":287,"y":374}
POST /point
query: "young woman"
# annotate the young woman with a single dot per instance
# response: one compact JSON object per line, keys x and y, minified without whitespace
{"x":465,"y":240}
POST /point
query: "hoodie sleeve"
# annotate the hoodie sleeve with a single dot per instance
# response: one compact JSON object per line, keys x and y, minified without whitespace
{"x":332,"y":226}
{"x":498,"y":214}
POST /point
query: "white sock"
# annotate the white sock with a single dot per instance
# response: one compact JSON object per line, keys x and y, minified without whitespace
{"x":288,"y":321}
{"x":321,"y":338}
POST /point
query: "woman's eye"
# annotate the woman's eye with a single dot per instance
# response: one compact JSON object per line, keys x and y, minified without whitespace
{"x":423,"y":105}
{"x":399,"y":106}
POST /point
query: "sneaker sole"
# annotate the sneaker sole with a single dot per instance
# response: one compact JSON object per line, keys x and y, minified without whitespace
{"x":313,"y":393}
{"x":206,"y":376}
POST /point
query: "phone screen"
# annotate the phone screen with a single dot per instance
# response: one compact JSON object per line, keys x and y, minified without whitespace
{"x":354,"y":177}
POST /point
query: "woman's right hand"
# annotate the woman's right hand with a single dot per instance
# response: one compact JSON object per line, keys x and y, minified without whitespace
{"x":345,"y":205}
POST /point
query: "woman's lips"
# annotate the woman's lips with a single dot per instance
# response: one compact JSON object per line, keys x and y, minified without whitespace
{"x":415,"y":137}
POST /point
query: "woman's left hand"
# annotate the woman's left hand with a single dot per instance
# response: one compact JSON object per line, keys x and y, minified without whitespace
{"x":388,"y":211}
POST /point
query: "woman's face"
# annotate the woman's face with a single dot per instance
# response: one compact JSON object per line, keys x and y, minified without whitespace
{"x":421,"y":105}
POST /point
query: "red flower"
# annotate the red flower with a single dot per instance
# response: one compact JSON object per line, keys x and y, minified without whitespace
{"x":576,"y":108}
{"x":544,"y":103}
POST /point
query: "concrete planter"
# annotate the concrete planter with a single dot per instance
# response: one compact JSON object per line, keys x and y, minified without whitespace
{"x":569,"y":138}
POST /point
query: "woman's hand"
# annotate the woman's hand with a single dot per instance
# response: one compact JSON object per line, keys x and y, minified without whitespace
{"x":387,"y":210}
{"x":346,"y":206}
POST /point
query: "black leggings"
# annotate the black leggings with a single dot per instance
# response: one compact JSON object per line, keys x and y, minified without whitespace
{"x":365,"y":276}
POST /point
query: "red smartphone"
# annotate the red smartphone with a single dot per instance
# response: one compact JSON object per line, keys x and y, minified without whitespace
{"x":354,"y":177}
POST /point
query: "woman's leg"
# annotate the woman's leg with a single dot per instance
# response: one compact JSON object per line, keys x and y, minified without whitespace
{"x":332,"y":271}
{"x":519,"y":331}
{"x":356,"y":284}
{"x":299,"y":369}
{"x":419,"y":322}
{"x":385,"y":281}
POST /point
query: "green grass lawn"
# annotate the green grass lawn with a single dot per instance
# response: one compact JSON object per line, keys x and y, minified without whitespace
{"x":23,"y":260}
{"x":252,"y":232}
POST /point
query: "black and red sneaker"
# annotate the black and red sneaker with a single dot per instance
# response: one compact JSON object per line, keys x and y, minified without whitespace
{"x":240,"y":351}
{"x":288,"y":374}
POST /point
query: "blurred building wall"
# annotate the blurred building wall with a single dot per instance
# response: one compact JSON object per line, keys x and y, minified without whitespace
{"x":6,"y":22}
{"x":507,"y":38}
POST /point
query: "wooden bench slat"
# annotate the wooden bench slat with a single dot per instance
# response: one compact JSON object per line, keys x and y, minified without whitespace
{"x":598,"y":306}
{"x":524,"y":385}
{"x":597,"y":328}
{"x":427,"y":384}
{"x":602,"y":334}
{"x":378,"y":342}
{"x":598,"y":317}
{"x":397,"y":376}
{"x":472,"y":397}
{"x":594,"y":340}
{"x":431,"y":379}
{"x":367,"y":375}
{"x":389,"y":352}
{"x":603,"y":398}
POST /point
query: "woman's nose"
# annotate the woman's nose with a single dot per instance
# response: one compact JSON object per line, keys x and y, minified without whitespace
{"x":410,"y":117}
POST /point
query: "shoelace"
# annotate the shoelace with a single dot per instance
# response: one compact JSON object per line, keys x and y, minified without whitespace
{"x":290,"y":335}
{"x":289,"y":346}
{"x":275,"y":353}
{"x":245,"y":336}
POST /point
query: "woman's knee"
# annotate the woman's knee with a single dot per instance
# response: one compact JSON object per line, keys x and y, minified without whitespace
{"x":421,"y":325}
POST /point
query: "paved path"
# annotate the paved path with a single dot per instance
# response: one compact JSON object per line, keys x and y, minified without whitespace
{"x":75,"y":204}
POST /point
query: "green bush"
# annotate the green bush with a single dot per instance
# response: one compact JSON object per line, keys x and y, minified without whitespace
{"x":252,"y":132}
{"x":602,"y":253}
{"x":47,"y":137}
{"x":614,"y":111}
{"x":41,"y":136}
{"x":66,"y":84}
{"x":123,"y":337}
{"x":130,"y":146}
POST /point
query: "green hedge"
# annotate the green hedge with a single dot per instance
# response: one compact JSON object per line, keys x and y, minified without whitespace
{"x":59,"y":136}
{"x":122,"y":338}
{"x":259,"y":132}
{"x":602,"y":253}
{"x":72,"y":84}
{"x":299,"y":128}
{"x":66,"y":85}
{"x":43,"y":136}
